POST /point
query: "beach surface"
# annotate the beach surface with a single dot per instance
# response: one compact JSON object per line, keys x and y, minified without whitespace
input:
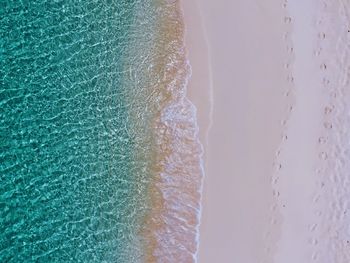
{"x":248,"y":103}
{"x":270,"y":81}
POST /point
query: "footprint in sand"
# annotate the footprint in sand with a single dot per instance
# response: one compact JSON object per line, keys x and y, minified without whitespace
{"x":277,"y":166}
{"x":325,"y":5}
{"x":318,"y":171}
{"x":287,"y":66}
{"x":313,"y":227}
{"x":273,"y":221}
{"x":285,"y":35}
{"x":273,"y":207}
{"x":334,"y":178}
{"x":290,"y":78}
{"x":285,"y":3}
{"x":287,"y":19}
{"x":325,"y":82}
{"x":284,"y":137}
{"x":318,"y":213}
{"x":323,"y":156}
{"x":284,"y":122}
{"x":328,"y":110}
{"x":328,"y":125}
{"x":314,"y":256}
{"x":316,"y":199}
{"x":313,"y":241}
{"x":287,"y":94}
{"x":276,"y":193}
{"x":317,"y":52}
{"x":321,"y":35}
{"x":274,"y":180}
{"x":333,"y":94}
{"x":290,"y":49}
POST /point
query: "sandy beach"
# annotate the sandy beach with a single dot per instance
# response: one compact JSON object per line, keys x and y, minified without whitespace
{"x":248,"y":106}
{"x":267,"y":80}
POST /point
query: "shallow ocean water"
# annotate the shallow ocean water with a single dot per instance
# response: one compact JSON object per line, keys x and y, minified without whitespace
{"x":70,"y":188}
{"x":99,"y":154}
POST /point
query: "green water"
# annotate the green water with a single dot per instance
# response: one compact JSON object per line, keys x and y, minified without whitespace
{"x":69,"y":183}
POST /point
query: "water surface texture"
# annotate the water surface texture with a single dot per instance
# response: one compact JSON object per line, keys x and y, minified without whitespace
{"x":89,"y":92}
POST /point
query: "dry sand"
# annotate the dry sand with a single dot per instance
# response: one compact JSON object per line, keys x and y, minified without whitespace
{"x":314,"y":179}
{"x":267,"y":77}
{"x":247,"y":52}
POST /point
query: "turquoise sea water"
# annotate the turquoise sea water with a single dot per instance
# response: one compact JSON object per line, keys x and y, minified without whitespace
{"x":70,"y":187}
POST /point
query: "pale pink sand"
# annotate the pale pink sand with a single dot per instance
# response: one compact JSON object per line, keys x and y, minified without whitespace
{"x":297,"y":180}
{"x":314,"y":179}
{"x":271,"y":81}
{"x":200,"y":82}
{"x":247,"y":81}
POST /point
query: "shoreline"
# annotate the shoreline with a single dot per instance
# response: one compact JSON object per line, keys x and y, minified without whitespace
{"x":199,"y":81}
{"x":171,"y":231}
